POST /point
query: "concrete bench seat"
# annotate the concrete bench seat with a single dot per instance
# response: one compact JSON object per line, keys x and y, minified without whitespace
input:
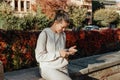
{"x":97,"y":67}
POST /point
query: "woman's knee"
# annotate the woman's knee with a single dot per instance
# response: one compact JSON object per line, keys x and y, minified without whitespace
{"x":53,"y":74}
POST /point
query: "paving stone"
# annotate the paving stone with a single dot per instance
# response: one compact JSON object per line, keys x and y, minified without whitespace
{"x":114,"y":77}
{"x":25,"y":74}
{"x":82,"y":66}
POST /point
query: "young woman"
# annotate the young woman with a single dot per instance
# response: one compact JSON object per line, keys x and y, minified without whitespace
{"x":50,"y":50}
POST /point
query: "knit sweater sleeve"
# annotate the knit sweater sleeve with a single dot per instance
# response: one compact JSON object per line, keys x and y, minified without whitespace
{"x":41,"y":53}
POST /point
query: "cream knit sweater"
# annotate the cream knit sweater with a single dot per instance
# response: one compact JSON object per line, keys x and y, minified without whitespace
{"x":47,"y":49}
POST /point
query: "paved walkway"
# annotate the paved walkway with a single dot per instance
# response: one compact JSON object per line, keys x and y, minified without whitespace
{"x":33,"y":74}
{"x":25,"y":74}
{"x":114,"y":77}
{"x":83,"y":65}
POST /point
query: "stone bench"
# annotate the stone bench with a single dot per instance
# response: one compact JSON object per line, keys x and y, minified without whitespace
{"x":1,"y":71}
{"x":98,"y":67}
{"x":24,"y":74}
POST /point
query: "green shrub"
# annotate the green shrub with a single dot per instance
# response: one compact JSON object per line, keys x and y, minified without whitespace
{"x":77,"y":14}
{"x":8,"y":21}
{"x":105,"y":17}
{"x":37,"y":22}
{"x":41,"y":19}
{"x":5,"y":14}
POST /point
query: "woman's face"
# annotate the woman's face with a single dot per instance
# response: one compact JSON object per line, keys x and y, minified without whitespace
{"x":61,"y":26}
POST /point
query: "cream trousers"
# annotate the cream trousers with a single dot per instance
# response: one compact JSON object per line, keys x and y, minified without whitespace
{"x":55,"y":74}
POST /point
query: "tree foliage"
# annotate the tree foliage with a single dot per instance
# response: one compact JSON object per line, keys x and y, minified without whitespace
{"x":105,"y":17}
{"x":49,"y":7}
{"x":97,"y":5}
{"x":77,"y":14}
{"x":5,"y":14}
{"x":8,"y":21}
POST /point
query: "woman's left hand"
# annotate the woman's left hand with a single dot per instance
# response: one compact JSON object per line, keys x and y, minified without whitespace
{"x":72,"y":50}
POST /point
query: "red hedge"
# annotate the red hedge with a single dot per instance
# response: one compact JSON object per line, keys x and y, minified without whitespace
{"x":17,"y":47}
{"x":94,"y":42}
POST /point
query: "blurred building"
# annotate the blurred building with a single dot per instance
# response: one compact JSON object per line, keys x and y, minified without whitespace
{"x":22,"y":7}
{"x":118,"y":7}
{"x":111,"y":4}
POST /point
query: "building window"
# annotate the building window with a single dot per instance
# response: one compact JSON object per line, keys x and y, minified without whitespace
{"x":22,"y":5}
{"x":16,"y":5}
{"x":28,"y":5}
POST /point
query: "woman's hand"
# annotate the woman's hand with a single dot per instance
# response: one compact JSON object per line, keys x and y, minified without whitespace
{"x":64,"y":53}
{"x":72,"y":50}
